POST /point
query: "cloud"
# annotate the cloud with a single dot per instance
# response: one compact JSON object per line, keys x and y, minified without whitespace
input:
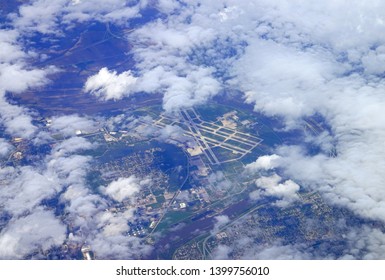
{"x":123,"y":188}
{"x":38,"y":15}
{"x":270,"y":69}
{"x":17,"y":121}
{"x":108,"y":85}
{"x":106,"y":231}
{"x":167,"y":6}
{"x":68,"y":125}
{"x":292,"y":59}
{"x":276,"y":252}
{"x":221,"y":221}
{"x":17,"y":77}
{"x":10,"y":50}
{"x":263,"y":163}
{"x":113,"y":224}
{"x":221,"y":252}
{"x":365,"y":243}
{"x":162,"y":50}
{"x":82,"y":206}
{"x":28,"y":186}
{"x":306,"y":59}
{"x":5,"y":148}
{"x":26,"y":191}
{"x":71,"y":145}
{"x":286,"y":191}
{"x":33,"y":233}
{"x":49,"y":17}
{"x":120,"y":247}
{"x":195,"y":89}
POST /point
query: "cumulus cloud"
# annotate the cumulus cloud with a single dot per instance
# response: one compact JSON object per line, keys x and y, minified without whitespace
{"x":17,"y":121}
{"x":68,"y":125}
{"x":221,"y":221}
{"x":16,"y":76}
{"x":120,"y":247}
{"x":276,"y":252}
{"x":113,"y":224}
{"x":47,"y":17}
{"x":104,"y":230}
{"x":26,"y":191}
{"x":180,"y":91}
{"x":5,"y":148}
{"x":31,"y":185}
{"x":123,"y":188}
{"x":365,"y":243}
{"x":263,"y":163}
{"x":162,"y":50}
{"x":286,"y":191}
{"x":31,"y":230}
{"x":10,"y":51}
{"x":167,"y":6}
{"x":33,"y":233}
{"x":221,"y":252}
{"x":108,"y":85}
{"x":71,"y":145}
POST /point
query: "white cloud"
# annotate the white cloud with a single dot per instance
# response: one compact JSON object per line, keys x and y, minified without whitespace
{"x":276,"y":252}
{"x":33,"y":233}
{"x":15,"y":78}
{"x":293,"y":59}
{"x":281,"y":80}
{"x":39,"y":15}
{"x":221,"y":252}
{"x":195,"y":89}
{"x":167,"y":6}
{"x":69,"y":124}
{"x":170,"y":133}
{"x":5,"y":148}
{"x":105,"y":231}
{"x":123,"y":188}
{"x":161,"y":51}
{"x":108,"y":85}
{"x":71,"y":145}
{"x":17,"y":122}
{"x":365,"y":243}
{"x":29,"y":185}
{"x":119,"y":11}
{"x":82,"y":206}
{"x":263,"y":163}
{"x":48,"y":17}
{"x":26,"y":191}
{"x":286,"y":191}
{"x":10,"y":51}
{"x":120,"y":247}
{"x":114,"y":224}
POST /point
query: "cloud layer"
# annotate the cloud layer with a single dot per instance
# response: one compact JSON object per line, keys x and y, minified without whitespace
{"x":294,"y":60}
